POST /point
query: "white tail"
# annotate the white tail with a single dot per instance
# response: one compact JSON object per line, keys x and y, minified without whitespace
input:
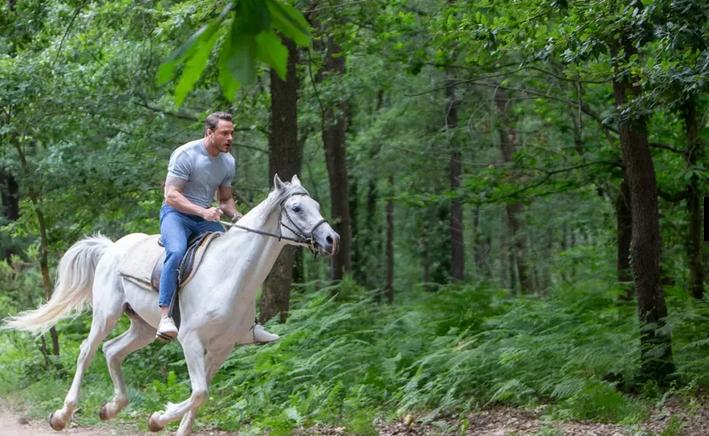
{"x":72,"y":292}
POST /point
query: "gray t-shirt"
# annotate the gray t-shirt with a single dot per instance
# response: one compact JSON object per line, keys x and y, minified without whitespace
{"x":203,"y":173}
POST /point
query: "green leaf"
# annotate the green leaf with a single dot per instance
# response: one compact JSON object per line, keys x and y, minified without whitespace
{"x":242,"y":55}
{"x":252,"y":17}
{"x":168,"y":69}
{"x":194,"y":67}
{"x":289,"y":21}
{"x":271,"y":50}
{"x":227,"y":79}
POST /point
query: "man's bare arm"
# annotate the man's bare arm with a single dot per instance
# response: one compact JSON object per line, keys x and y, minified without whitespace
{"x":226,"y":201}
{"x":175,"y":199}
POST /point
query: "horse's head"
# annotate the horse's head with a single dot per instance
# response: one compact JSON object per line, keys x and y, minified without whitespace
{"x":301,"y":220}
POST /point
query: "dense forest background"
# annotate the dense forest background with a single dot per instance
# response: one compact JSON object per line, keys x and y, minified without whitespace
{"x":518,"y":186}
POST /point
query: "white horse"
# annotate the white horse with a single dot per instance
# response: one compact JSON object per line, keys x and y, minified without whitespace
{"x":217,"y":305}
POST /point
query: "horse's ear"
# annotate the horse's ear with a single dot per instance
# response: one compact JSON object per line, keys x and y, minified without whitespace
{"x":277,"y":182}
{"x":295,"y":180}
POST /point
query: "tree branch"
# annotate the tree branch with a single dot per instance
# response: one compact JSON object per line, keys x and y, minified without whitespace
{"x":666,"y":147}
{"x":66,"y":32}
{"x":180,"y":115}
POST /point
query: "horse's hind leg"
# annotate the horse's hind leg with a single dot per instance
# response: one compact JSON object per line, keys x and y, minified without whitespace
{"x":100,"y":327}
{"x":136,"y":337}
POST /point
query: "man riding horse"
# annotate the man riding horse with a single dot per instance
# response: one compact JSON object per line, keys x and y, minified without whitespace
{"x":195,"y":172}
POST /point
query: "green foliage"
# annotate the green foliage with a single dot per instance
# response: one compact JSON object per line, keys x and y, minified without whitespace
{"x":251,"y":36}
{"x":346,"y":359}
{"x":600,"y":401}
{"x":79,"y":101}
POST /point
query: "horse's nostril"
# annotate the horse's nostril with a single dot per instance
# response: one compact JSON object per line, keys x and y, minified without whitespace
{"x":329,"y":239}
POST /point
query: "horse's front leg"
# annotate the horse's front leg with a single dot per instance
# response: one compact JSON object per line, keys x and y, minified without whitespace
{"x":196,"y":365}
{"x":215,"y":358}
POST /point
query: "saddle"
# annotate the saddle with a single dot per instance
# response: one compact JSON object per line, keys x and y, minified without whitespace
{"x":147,"y":274}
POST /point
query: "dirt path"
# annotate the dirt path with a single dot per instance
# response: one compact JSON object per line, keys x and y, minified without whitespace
{"x":13,"y":424}
{"x":500,"y":421}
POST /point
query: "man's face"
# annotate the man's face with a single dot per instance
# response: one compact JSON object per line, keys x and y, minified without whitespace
{"x":222,"y":135}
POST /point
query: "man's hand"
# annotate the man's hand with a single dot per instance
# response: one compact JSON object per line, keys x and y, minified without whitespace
{"x":212,"y":214}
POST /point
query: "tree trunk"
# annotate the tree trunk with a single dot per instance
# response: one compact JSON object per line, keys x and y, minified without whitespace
{"x":508,"y":144}
{"x":424,"y":245}
{"x":454,"y":170}
{"x":371,"y":241}
{"x":10,"y":191}
{"x":285,"y":158}
{"x":333,"y":134}
{"x":694,"y":201}
{"x":655,"y":340}
{"x":624,"y":228}
{"x":358,"y":267}
{"x":481,"y":253}
{"x":43,"y":242}
{"x":389,"y":288}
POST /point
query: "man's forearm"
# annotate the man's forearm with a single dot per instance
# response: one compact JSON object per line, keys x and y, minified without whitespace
{"x":178,"y":201}
{"x":228,"y":207}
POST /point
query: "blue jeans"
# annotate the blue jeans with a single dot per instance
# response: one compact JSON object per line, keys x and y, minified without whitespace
{"x":176,"y":228}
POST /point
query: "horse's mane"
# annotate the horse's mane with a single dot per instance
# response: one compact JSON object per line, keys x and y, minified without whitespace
{"x":260,"y":212}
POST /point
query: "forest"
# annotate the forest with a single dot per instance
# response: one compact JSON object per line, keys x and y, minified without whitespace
{"x":519,"y":187}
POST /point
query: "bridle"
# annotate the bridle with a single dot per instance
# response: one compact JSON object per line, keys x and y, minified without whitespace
{"x":302,"y":238}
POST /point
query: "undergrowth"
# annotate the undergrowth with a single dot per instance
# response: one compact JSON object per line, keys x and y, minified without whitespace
{"x":345,"y":359}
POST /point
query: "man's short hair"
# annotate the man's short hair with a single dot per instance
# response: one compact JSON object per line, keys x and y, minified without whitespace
{"x":213,"y":120}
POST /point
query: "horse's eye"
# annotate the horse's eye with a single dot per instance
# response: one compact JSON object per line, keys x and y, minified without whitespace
{"x":297,"y":209}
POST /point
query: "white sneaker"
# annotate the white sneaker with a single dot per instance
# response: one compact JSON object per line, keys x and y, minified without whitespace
{"x":261,"y":336}
{"x":166,"y":329}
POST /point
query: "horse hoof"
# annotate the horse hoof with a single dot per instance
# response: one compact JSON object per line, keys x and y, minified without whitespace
{"x":55,"y":423}
{"x":103,"y":413}
{"x":153,"y":422}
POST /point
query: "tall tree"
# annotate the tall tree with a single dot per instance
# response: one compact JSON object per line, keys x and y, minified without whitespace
{"x":455,"y":169}
{"x":656,"y":346}
{"x":624,"y":234}
{"x":285,"y":159}
{"x":334,"y":120}
{"x":389,"y":287}
{"x":10,"y":195}
{"x":515,"y":209}
{"x":693,"y":156}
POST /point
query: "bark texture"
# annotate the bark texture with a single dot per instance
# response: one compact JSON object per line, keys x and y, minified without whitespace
{"x":514,"y":211}
{"x":624,"y":229}
{"x":389,"y":288}
{"x":285,"y":159}
{"x":333,"y":134}
{"x":10,"y":191}
{"x":455,"y":169}
{"x":35,"y":199}
{"x":655,"y":340}
{"x":693,"y":155}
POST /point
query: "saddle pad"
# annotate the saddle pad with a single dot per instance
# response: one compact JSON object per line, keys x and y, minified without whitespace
{"x":146,"y":257}
{"x":140,"y":260}
{"x":193,"y":257}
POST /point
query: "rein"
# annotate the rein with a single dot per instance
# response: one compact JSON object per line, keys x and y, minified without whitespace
{"x":302,"y":238}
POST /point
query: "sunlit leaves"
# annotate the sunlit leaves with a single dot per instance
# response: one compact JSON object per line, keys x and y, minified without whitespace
{"x":254,"y":34}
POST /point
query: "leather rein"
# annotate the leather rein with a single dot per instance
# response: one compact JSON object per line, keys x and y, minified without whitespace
{"x":303,"y":238}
